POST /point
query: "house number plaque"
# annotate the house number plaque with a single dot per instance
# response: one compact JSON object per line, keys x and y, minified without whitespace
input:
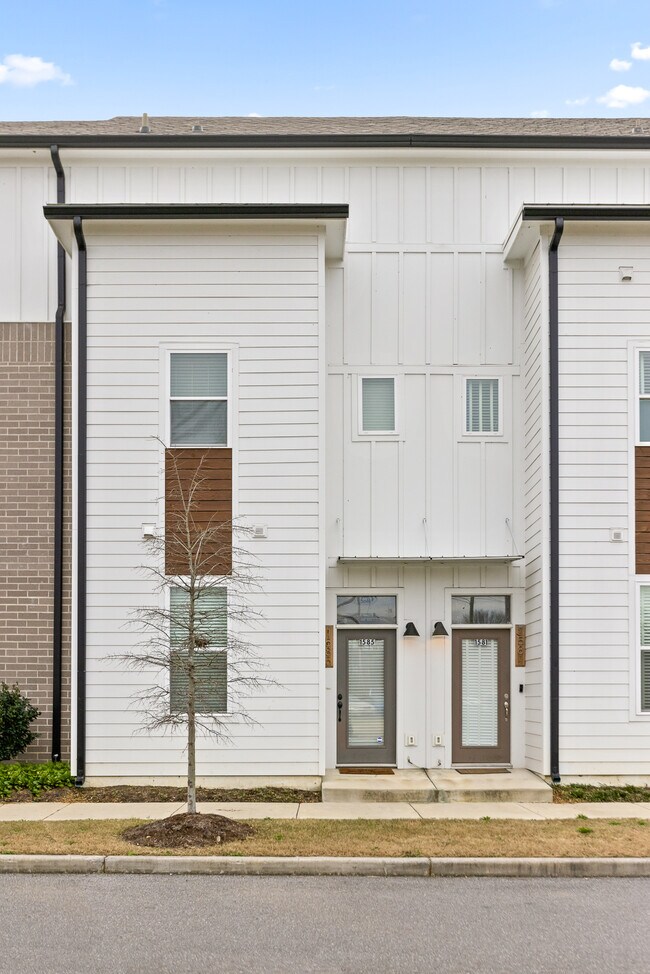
{"x":520,"y":645}
{"x":329,"y":647}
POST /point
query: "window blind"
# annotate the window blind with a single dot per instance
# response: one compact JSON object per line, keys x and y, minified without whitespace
{"x":482,"y":406}
{"x":199,"y":375}
{"x":365,"y":692}
{"x":644,"y":378}
{"x":210,"y":617}
{"x":378,"y":405}
{"x":210,"y":682}
{"x":203,"y":422}
{"x":479,"y":661}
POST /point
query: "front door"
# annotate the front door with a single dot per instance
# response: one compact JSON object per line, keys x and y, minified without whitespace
{"x":481,"y":696}
{"x":365,"y":696}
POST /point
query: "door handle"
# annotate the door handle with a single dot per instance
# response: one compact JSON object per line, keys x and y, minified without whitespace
{"x":339,"y":704}
{"x":506,"y":707}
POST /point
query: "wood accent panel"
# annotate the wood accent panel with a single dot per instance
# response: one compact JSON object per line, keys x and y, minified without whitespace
{"x":642,"y":505}
{"x":199,"y":480}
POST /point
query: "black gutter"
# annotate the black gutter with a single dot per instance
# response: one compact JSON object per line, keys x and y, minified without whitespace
{"x":587,"y":213}
{"x":413,"y":140}
{"x":194,"y":211}
{"x":82,"y":328}
{"x":554,"y":510}
{"x":59,"y":351}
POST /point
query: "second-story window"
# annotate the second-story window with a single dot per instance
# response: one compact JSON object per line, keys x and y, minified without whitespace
{"x":644,"y":397}
{"x":482,"y":412}
{"x":199,"y":399}
{"x":378,"y":405}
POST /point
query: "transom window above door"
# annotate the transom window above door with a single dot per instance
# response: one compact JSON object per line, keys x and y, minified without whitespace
{"x":480,"y":610}
{"x":366,"y":610}
{"x":198,"y":399}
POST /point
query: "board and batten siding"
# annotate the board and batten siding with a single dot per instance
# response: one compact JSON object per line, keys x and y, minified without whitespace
{"x":535,"y":407}
{"x":601,"y":319}
{"x":257,"y":291}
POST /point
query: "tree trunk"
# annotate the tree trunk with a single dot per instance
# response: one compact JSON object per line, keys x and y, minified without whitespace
{"x":191,"y":706}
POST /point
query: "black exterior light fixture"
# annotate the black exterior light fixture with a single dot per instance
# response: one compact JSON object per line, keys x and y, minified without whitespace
{"x":411,"y":630}
{"x":439,"y":630}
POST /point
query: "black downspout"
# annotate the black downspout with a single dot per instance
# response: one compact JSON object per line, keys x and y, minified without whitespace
{"x":82,"y":324}
{"x":59,"y":352}
{"x":554,"y":510}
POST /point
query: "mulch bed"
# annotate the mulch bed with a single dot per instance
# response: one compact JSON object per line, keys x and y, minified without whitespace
{"x":154,"y":793}
{"x":189,"y":830}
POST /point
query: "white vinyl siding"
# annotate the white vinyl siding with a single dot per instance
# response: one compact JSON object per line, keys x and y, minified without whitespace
{"x":535,"y":493}
{"x":482,"y":412}
{"x":378,"y":405}
{"x":254,"y":292}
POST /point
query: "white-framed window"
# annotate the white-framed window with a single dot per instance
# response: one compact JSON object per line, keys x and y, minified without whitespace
{"x":643,"y":421}
{"x":644,"y":647}
{"x":482,"y":406}
{"x":198,"y":399}
{"x":210,"y":655}
{"x":377,"y":405}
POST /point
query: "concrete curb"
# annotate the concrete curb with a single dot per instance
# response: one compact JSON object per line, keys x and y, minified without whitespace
{"x":327,"y":866}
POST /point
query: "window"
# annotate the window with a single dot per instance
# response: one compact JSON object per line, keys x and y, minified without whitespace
{"x":210,"y":661}
{"x":480,"y":610}
{"x":366,"y":610}
{"x":644,"y":397}
{"x":482,"y":406}
{"x":378,"y":405}
{"x":644,"y":627}
{"x":199,"y":399}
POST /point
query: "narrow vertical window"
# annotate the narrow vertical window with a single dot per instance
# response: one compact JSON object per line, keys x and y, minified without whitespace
{"x":378,"y":405}
{"x":482,"y":406}
{"x":644,"y":397}
{"x":644,"y":602}
{"x":210,"y":650}
{"x":199,"y":399}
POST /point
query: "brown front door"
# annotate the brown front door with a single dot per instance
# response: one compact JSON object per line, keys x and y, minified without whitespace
{"x":365,"y":691}
{"x":481,"y":696}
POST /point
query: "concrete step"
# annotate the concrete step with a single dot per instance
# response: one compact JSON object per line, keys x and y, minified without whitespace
{"x":402,"y":786}
{"x":518,"y":785}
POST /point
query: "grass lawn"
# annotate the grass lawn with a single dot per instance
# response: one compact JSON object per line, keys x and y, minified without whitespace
{"x":275,"y":837}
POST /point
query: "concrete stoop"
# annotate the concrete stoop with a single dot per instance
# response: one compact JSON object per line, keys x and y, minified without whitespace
{"x":413,"y":785}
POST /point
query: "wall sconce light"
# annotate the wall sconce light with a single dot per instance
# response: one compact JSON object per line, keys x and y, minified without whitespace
{"x":439,"y":630}
{"x":411,"y":630}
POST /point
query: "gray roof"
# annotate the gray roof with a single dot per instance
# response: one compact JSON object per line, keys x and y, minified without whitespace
{"x":128,"y":125}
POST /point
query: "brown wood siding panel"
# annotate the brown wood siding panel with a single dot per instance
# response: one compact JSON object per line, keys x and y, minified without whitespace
{"x":642,"y":508}
{"x":211,"y":505}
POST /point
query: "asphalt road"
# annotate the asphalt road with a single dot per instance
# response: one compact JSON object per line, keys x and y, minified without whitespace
{"x":228,"y":925}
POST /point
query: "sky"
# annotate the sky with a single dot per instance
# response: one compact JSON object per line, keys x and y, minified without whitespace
{"x":64,"y":59}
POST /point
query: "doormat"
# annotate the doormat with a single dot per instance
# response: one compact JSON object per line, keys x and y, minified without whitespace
{"x":366,"y":771}
{"x":482,"y":770}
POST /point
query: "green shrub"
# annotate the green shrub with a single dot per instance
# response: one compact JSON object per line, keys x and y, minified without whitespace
{"x":16,"y":714}
{"x":34,"y":777}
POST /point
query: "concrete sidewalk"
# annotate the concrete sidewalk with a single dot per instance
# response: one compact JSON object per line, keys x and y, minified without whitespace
{"x":535,"y":811}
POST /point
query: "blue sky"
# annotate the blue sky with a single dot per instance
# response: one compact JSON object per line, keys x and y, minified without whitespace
{"x":70,"y":59}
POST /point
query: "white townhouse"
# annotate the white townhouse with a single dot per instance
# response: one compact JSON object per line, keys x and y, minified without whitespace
{"x":414,"y":354}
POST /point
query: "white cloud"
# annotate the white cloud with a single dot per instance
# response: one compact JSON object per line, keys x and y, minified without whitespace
{"x":577,"y":101}
{"x":618,"y":65}
{"x":640,"y":53}
{"x":624,"y":95}
{"x":542,"y":113}
{"x":253,"y":115}
{"x":25,"y":72}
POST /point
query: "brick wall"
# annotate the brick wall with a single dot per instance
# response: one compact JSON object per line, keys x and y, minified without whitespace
{"x":27,"y":523}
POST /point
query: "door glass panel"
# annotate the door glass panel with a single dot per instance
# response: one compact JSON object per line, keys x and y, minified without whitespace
{"x":480,"y":704}
{"x":365,"y":692}
{"x":366,"y":610}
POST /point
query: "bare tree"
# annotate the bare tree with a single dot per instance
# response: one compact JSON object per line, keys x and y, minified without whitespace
{"x":193,"y":638}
